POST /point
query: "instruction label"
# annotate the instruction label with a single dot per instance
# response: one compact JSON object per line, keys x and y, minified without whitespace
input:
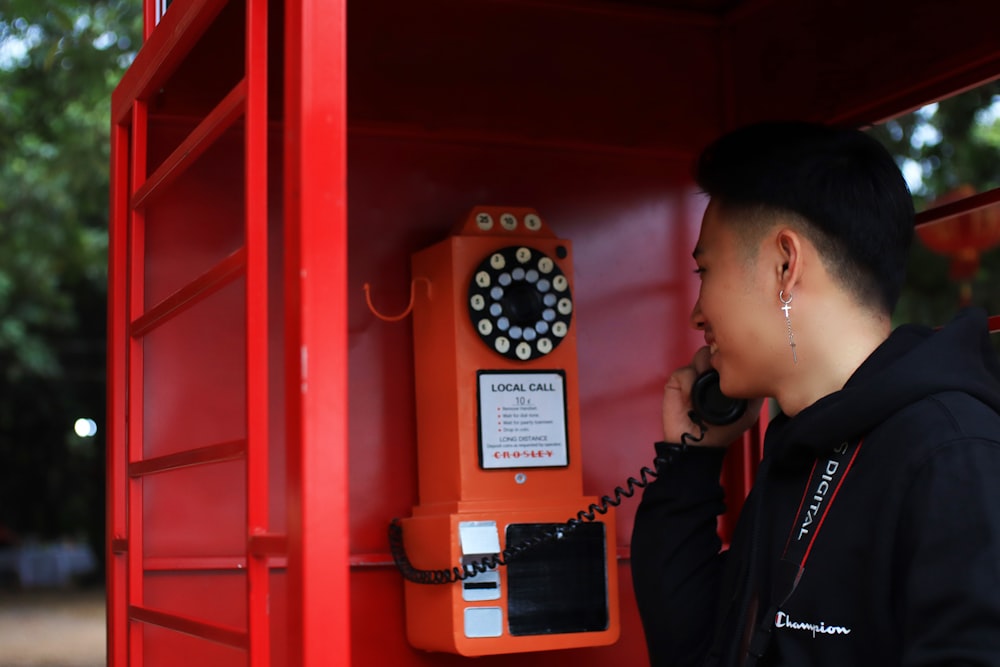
{"x":522,"y":420}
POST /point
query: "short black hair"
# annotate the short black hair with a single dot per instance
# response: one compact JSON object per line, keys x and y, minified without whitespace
{"x":842,"y":182}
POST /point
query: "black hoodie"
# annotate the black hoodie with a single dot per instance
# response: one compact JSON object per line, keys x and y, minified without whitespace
{"x":905,"y":566}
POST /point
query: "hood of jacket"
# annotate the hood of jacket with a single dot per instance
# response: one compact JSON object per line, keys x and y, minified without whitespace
{"x":913,"y":363}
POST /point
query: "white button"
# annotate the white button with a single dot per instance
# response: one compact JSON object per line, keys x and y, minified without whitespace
{"x":508,"y":221}
{"x":483,"y":279}
{"x":497,"y":261}
{"x":559,"y":283}
{"x":545,"y":265}
{"x":565,"y":306}
{"x":485,"y":327}
{"x":532,"y":222}
{"x":523,"y":254}
{"x":502,"y":344}
{"x":544,"y":345}
{"x":523,"y":351}
{"x":559,"y":329}
{"x":482,"y":622}
{"x":477,"y":302}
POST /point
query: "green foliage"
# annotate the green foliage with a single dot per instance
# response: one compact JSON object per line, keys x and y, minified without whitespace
{"x":942,"y":146}
{"x":59,"y":62}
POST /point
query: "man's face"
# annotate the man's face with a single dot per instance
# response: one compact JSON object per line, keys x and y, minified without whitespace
{"x":737,"y":308}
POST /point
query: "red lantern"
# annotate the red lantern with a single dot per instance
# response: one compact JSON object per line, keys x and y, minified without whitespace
{"x":962,"y":238}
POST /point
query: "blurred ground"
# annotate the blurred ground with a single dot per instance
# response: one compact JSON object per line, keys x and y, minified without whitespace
{"x":52,"y":628}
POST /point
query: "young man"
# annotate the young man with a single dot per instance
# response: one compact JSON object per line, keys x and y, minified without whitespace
{"x":872,"y":533}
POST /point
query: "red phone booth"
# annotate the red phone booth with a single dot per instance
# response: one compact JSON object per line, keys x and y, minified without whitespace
{"x":271,"y":160}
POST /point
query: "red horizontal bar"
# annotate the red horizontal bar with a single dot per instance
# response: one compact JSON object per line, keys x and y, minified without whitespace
{"x":956,"y":208}
{"x":179,"y":31}
{"x":220,"y":119}
{"x":197,"y":290}
{"x":206,"y":563}
{"x":210,"y":631}
{"x":225,"y":451}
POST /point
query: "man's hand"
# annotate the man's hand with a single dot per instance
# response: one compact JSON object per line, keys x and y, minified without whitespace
{"x":677,"y":405}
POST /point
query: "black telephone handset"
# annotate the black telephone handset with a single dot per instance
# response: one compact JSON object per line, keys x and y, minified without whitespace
{"x":710,"y":404}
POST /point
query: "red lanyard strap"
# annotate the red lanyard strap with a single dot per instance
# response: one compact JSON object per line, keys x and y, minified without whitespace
{"x":824,"y":484}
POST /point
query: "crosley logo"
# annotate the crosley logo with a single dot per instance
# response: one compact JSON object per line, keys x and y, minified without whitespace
{"x":783,"y":620}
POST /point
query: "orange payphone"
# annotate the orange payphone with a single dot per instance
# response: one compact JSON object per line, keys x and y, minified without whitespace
{"x":498,"y":433}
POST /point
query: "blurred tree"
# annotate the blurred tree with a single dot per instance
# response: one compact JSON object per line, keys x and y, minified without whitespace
{"x":59,"y":62}
{"x":942,"y":146}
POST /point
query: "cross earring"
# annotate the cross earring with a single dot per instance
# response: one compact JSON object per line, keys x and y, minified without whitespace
{"x":786,"y":305}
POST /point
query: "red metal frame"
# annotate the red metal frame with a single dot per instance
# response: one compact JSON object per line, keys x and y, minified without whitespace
{"x":295,"y":565}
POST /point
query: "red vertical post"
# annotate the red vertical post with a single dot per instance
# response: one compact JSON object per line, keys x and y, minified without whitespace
{"x":116,"y":459}
{"x":255,"y":175}
{"x":316,"y":335}
{"x":135,"y":299}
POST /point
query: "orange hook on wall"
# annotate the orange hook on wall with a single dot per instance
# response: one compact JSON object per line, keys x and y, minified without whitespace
{"x":409,"y":307}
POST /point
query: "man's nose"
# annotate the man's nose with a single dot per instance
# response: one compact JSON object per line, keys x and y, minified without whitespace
{"x":697,"y":319}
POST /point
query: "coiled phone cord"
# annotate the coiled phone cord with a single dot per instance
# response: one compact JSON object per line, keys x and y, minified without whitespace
{"x":460,"y":573}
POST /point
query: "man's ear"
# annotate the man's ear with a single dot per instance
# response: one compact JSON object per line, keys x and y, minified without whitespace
{"x":790,"y":265}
